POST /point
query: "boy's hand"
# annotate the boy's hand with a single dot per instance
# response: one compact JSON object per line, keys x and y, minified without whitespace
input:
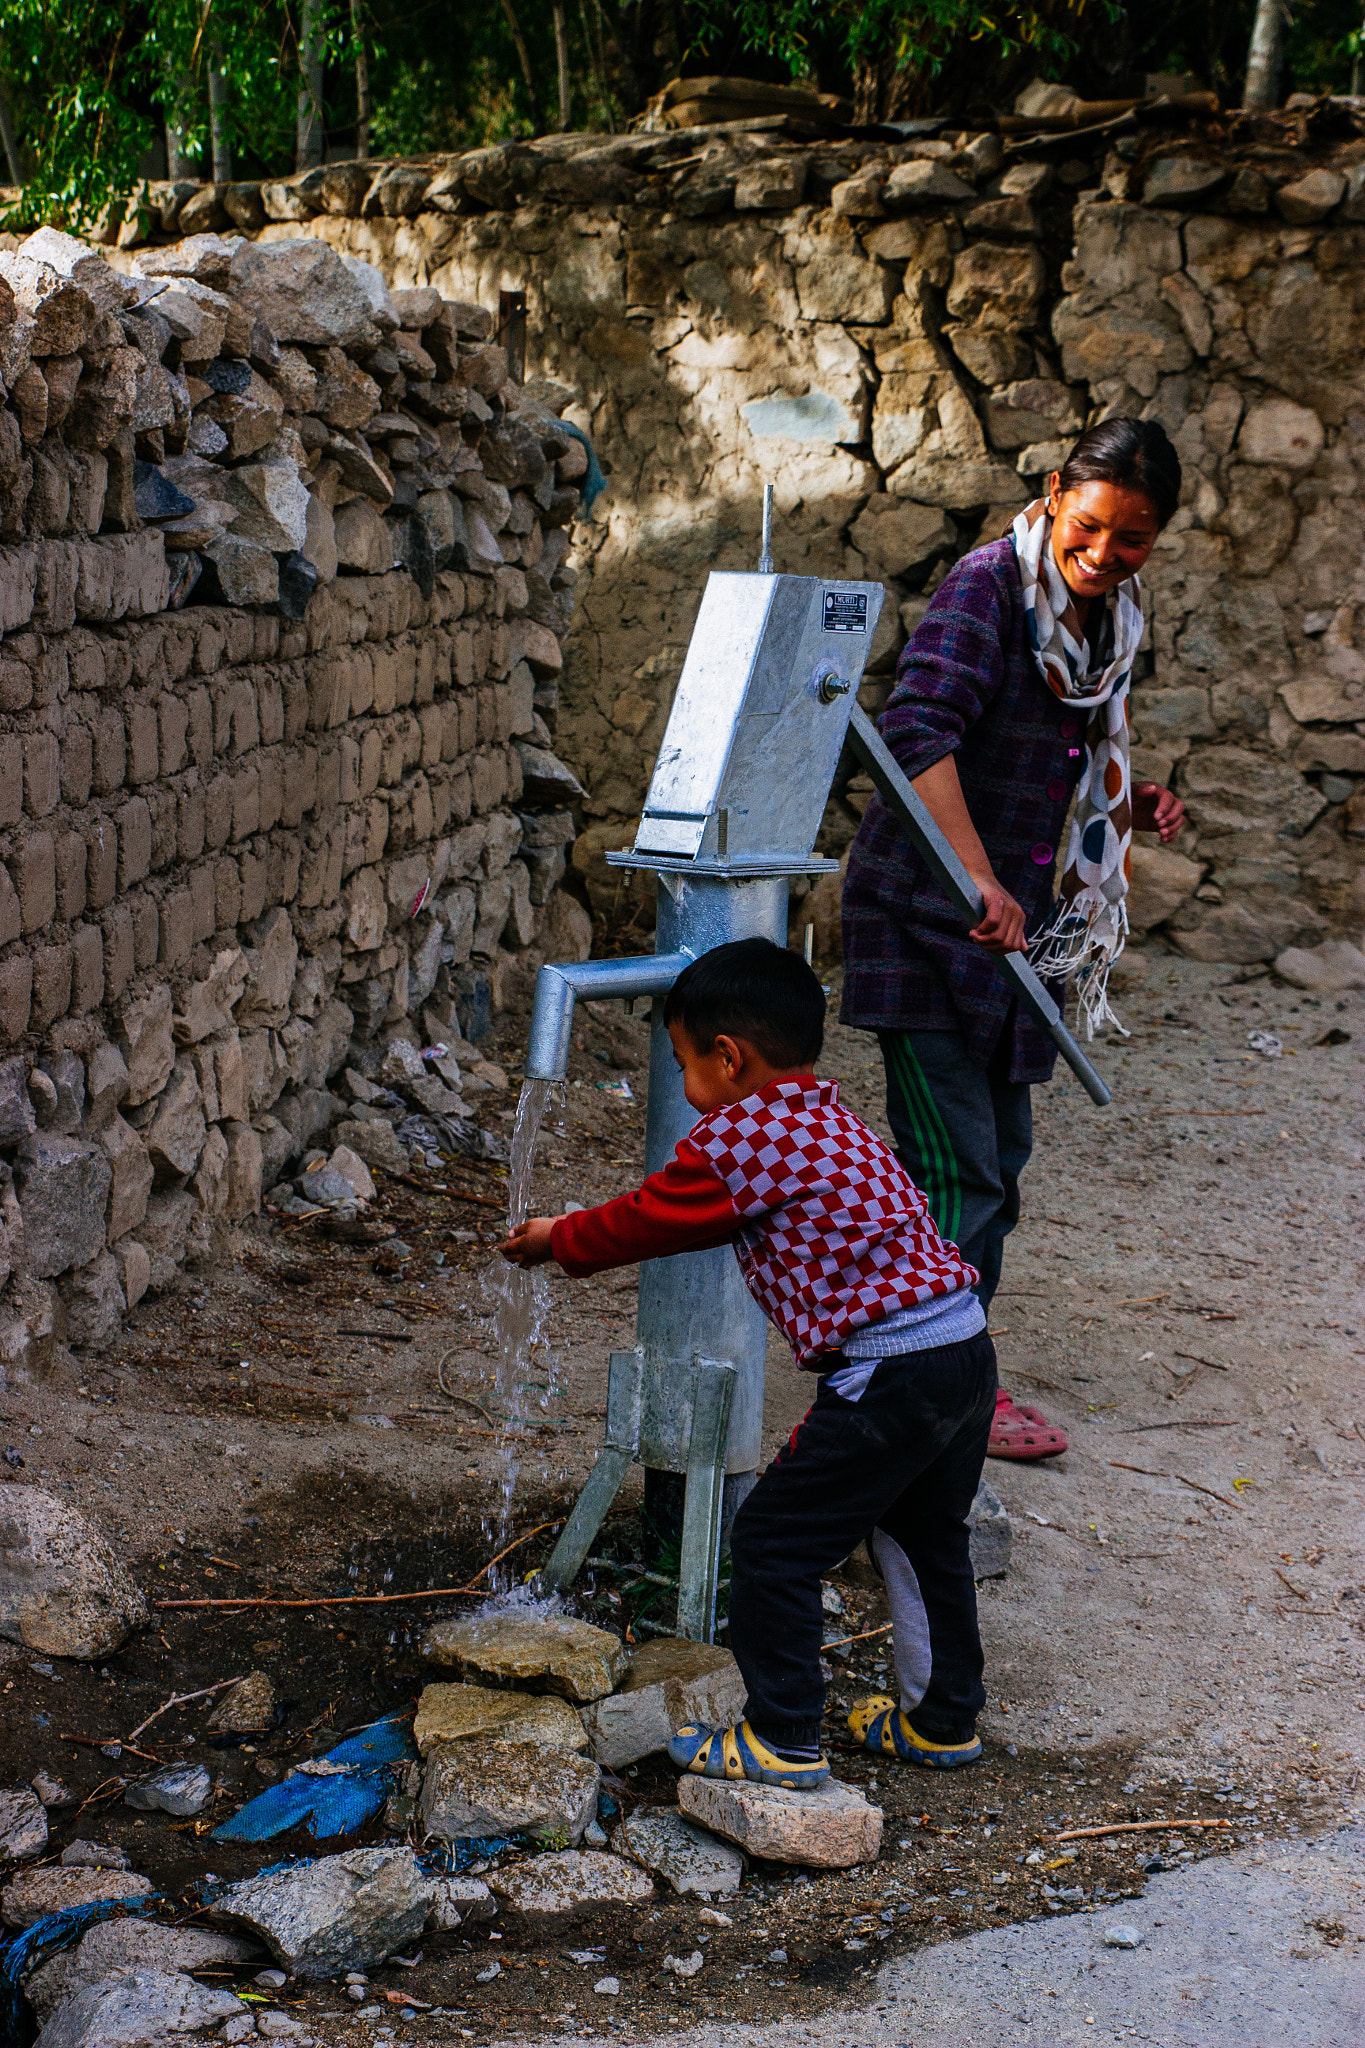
{"x":529,"y":1243}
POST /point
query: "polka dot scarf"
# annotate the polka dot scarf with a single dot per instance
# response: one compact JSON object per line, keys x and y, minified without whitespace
{"x":1084,"y":934}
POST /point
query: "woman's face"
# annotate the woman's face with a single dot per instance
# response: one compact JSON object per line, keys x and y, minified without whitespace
{"x":1100,"y":534}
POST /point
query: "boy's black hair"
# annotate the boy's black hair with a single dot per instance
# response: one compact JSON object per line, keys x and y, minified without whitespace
{"x":752,"y":989}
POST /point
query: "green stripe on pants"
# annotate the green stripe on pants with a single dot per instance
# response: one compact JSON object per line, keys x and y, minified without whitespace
{"x":943,"y":1186}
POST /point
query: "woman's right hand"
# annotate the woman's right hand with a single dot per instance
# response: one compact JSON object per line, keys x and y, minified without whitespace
{"x":1001,"y":929}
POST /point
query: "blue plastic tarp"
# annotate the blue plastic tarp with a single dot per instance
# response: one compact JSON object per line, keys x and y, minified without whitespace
{"x":350,"y":1788}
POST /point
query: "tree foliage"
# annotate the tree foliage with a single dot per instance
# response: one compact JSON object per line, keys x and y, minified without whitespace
{"x":93,"y":86}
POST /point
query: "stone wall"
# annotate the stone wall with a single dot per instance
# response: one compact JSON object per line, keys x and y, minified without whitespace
{"x":256,"y":853}
{"x":902,"y":339}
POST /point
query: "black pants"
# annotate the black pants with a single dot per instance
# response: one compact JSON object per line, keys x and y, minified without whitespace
{"x":904,"y":1460}
{"x":963,"y":1133}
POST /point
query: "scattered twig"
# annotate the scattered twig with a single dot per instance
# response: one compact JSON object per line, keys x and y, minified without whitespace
{"x":842,"y":1642}
{"x":1036,"y":1380}
{"x":110,"y":1742}
{"x":384,"y":1336}
{"x":373,"y":1599}
{"x":1142,"y":1300}
{"x":180,"y":1699}
{"x":1190,"y":1422}
{"x":1297,"y":1591}
{"x":1147,"y":1472}
{"x":225,"y":1562}
{"x":107,"y":1788}
{"x":1206,"y":1112}
{"x":1198,"y":1360}
{"x":1139,"y":1827}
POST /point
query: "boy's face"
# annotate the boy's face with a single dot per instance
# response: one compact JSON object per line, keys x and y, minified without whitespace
{"x":728,"y":1071}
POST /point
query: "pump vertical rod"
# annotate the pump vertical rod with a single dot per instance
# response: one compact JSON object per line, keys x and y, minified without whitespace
{"x":765,"y":560}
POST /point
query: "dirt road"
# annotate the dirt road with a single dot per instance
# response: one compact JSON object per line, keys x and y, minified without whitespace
{"x":1181,"y":1629}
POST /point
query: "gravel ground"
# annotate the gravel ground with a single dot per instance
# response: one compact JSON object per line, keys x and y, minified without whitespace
{"x":1179,"y":1635}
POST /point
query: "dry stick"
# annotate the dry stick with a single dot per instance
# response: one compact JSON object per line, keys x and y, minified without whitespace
{"x":226,"y":1563}
{"x":1297,"y":1591}
{"x":1198,"y":1360}
{"x":1120,"y":1466}
{"x":842,"y":1642}
{"x":109,"y":1742}
{"x":1206,"y":1112}
{"x":178,"y":1700}
{"x":1138,"y":1827}
{"x":375,"y":1599}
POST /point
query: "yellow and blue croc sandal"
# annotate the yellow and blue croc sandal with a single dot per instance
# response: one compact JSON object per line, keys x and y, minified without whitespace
{"x":881,"y":1726}
{"x":737,"y":1753}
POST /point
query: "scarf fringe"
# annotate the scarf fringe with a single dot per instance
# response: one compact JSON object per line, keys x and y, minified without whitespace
{"x":1080,"y":943}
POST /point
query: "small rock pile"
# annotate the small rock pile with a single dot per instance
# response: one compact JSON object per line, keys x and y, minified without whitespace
{"x":504,"y":1751}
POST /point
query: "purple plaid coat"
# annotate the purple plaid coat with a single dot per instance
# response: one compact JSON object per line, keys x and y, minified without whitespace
{"x":967,"y":685}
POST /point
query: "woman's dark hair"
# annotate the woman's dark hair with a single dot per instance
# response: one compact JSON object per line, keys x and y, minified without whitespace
{"x":1135,"y":453}
{"x":756,"y":990}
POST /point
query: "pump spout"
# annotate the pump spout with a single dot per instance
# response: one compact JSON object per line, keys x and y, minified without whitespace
{"x":557,"y":987}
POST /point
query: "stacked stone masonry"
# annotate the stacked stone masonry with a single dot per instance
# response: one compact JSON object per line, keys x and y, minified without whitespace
{"x":903,"y":339}
{"x":267,"y":862}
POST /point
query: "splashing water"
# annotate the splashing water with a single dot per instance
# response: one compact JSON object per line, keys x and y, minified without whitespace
{"x":525,"y":1375}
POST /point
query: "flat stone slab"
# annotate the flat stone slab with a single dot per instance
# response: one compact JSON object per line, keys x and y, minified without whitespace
{"x":670,"y":1682}
{"x":831,"y":1828}
{"x":572,"y":1880}
{"x":550,"y":1654}
{"x":344,"y":1912}
{"x":687,"y":1857}
{"x":453,"y":1713}
{"x":38,"y":1892}
{"x":482,"y":1786}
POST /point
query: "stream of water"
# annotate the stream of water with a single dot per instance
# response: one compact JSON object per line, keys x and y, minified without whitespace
{"x":524,"y":1368}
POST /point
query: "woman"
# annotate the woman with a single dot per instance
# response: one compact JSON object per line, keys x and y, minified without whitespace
{"x":1012,"y":691}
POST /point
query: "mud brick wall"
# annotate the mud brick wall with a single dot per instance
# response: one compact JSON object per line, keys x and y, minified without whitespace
{"x":250,"y":852}
{"x":903,"y":338}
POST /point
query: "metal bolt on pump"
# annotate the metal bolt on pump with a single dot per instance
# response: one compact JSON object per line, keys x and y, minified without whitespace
{"x":765,"y":702}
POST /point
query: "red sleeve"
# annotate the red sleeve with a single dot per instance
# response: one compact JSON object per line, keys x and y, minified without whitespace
{"x":684,"y":1208}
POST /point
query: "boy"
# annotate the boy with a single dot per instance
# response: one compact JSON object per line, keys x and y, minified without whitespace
{"x":837,"y":1247}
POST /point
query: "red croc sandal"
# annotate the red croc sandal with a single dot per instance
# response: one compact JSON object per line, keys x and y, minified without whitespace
{"x":1022,"y":1433}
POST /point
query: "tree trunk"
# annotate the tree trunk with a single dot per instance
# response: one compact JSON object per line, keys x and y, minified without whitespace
{"x":179,"y":163}
{"x":362,"y":81}
{"x":218,"y":127}
{"x":562,"y":56}
{"x":1265,"y":58}
{"x":537,"y":118}
{"x":10,"y":140}
{"x":308,"y":139}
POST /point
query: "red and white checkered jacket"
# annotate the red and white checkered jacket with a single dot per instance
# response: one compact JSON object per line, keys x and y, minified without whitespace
{"x":829,"y":1229}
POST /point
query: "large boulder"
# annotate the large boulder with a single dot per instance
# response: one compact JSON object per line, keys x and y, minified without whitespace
{"x":339,"y":1913}
{"x":63,"y":1591}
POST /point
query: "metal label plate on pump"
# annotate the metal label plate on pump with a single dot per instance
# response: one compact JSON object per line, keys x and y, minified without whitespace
{"x":845,"y":611}
{"x":742,"y":776}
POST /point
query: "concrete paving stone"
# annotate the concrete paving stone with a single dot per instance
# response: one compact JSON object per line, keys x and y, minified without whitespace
{"x":670,"y":1682}
{"x":481,"y":1786}
{"x":685,"y":1856}
{"x":571,"y":1881}
{"x":552,"y":1653}
{"x":449,"y":1713}
{"x":830,"y":1828}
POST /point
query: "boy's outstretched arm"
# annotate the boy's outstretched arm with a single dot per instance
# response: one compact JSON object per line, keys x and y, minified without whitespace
{"x":686,"y":1207}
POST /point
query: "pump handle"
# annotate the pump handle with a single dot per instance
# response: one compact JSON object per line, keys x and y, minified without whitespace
{"x":926,"y":836}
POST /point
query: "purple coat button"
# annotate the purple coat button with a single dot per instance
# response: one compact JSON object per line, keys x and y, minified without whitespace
{"x":1068,"y":728}
{"x":1056,"y":789}
{"x":1041,"y":855}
